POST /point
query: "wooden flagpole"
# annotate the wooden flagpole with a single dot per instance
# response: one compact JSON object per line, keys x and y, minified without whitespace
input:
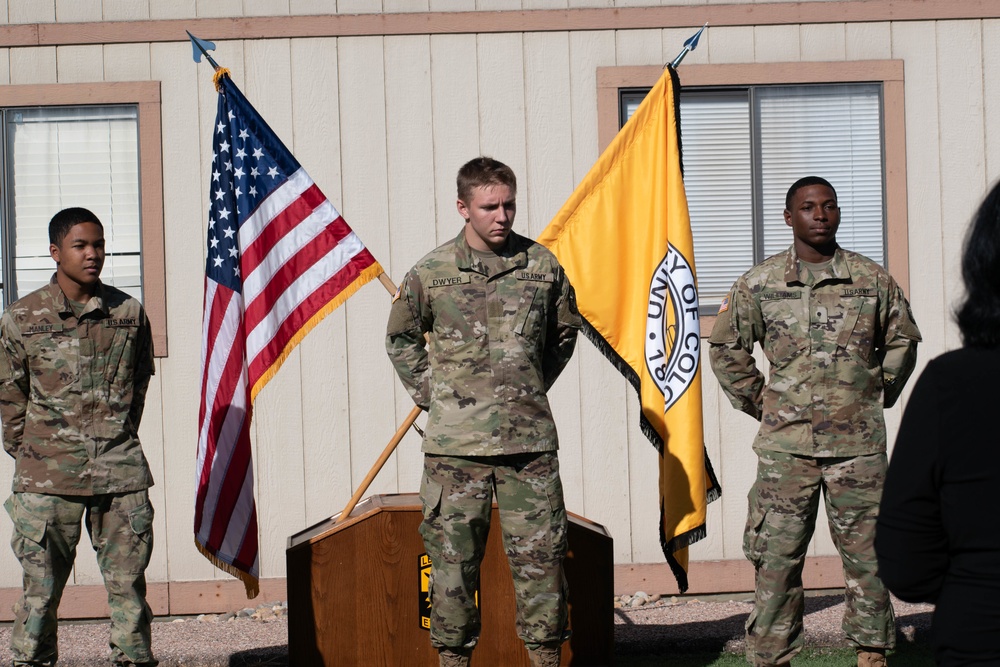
{"x":393,"y":442}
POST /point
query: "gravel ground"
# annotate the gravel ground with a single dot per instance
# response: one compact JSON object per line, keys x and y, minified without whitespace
{"x":669,"y":626}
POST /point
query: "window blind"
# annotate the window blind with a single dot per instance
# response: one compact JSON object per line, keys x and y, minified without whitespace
{"x":74,"y":156}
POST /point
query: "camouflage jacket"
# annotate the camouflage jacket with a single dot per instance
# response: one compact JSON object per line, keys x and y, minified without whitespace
{"x":836,"y":340}
{"x":72,"y":392}
{"x":497,"y":343}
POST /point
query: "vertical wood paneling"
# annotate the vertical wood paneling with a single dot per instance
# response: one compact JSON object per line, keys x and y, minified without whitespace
{"x":278,"y":463}
{"x":544,"y":4}
{"x":218,"y":8}
{"x":827,"y":42}
{"x":127,"y":62}
{"x":31,"y":11}
{"x":75,"y":11}
{"x":4,"y":66}
{"x":736,"y":468}
{"x":497,"y":5}
{"x":501,"y":100}
{"x":33,"y":65}
{"x":310,"y":7}
{"x":991,"y":97}
{"x":265,"y":7}
{"x":78,"y":64}
{"x":731,"y":45}
{"x":452,"y":5}
{"x":366,"y":198}
{"x":868,"y":41}
{"x":587,"y":52}
{"x":638,"y":47}
{"x":712,"y":546}
{"x":325,"y":396}
{"x":643,"y":491}
{"x":403,"y":6}
{"x":963,"y":150}
{"x":776,"y":43}
{"x":455,"y":118}
{"x":174,"y":9}
{"x":126,"y":10}
{"x":187,"y":130}
{"x":916,"y":44}
{"x":412,"y":214}
{"x":10,"y":569}
{"x":359,"y":6}
{"x":151,"y":437}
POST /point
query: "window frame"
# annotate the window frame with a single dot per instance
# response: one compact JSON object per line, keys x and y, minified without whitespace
{"x":888,"y":73}
{"x":145,"y":95}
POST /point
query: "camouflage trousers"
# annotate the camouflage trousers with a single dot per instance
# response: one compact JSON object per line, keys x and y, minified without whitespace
{"x":457,"y":495}
{"x":46,"y":533}
{"x":784,"y":501}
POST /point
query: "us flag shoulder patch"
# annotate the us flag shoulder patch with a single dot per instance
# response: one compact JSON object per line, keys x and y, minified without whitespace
{"x":724,"y":306}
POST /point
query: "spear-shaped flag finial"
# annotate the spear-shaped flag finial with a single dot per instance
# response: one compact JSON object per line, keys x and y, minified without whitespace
{"x":690,"y":45}
{"x":201,"y":48}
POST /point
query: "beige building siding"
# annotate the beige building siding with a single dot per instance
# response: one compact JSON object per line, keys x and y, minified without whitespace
{"x":382,"y":123}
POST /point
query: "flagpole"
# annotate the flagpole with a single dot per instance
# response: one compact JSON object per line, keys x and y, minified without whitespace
{"x":690,"y":45}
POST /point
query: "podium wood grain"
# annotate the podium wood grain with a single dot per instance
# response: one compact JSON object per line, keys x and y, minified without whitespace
{"x":354,"y":592}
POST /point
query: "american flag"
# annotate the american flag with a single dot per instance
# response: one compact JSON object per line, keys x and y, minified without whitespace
{"x":280,"y":258}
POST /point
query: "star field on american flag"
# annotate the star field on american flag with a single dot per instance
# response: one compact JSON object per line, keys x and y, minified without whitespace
{"x":243,"y":175}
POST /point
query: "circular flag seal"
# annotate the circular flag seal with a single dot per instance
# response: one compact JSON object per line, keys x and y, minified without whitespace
{"x":673,"y":332}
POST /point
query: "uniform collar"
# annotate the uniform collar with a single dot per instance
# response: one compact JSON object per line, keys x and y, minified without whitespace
{"x":62,"y":304}
{"x":513,"y":256}
{"x":838,"y":269}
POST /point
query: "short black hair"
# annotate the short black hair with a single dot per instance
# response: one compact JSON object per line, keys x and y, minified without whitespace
{"x":805,"y":182}
{"x":66,"y":219}
{"x":978,"y":316}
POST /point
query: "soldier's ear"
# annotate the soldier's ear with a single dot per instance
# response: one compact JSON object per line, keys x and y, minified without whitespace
{"x":54,"y":252}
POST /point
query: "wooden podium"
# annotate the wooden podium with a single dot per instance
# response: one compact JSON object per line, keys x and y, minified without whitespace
{"x":357,"y":592}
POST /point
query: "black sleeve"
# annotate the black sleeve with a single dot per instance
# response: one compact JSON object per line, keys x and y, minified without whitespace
{"x":910,"y":540}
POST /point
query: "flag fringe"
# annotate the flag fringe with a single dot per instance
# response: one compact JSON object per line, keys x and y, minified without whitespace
{"x":679,"y":542}
{"x":217,"y":78}
{"x":623,"y":367}
{"x":368,"y":274}
{"x":250,"y":582}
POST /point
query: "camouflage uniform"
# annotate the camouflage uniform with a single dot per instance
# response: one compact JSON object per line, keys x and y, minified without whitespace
{"x":498,"y":340}
{"x":72,"y":390}
{"x":836,"y":338}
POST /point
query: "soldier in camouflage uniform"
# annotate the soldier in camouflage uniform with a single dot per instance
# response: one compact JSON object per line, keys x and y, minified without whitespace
{"x":502,"y":324}
{"x":75,"y":361}
{"x":839,"y":336}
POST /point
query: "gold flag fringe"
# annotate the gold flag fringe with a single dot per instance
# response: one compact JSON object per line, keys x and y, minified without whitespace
{"x":366,"y":275}
{"x":217,"y":78}
{"x":250,"y":582}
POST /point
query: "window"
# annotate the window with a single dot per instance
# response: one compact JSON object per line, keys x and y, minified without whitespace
{"x":69,"y":156}
{"x":95,"y":146}
{"x":756,"y":129}
{"x":744,"y":147}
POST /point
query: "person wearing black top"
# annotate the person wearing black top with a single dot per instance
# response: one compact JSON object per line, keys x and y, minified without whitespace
{"x":938,"y":532}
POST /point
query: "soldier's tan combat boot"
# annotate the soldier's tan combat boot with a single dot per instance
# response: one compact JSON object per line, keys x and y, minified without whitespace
{"x":449,"y":657}
{"x":546,"y":656}
{"x":871,"y":657}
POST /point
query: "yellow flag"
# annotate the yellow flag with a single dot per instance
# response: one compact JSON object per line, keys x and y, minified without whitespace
{"x":624,"y":238}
